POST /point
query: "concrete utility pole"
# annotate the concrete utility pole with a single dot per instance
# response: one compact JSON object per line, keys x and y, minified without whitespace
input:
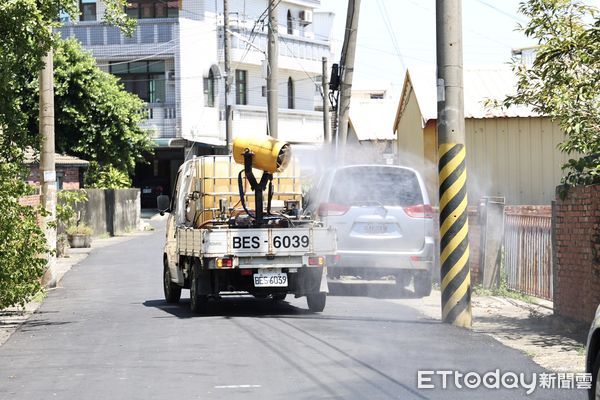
{"x":273,"y":70}
{"x":47,"y":167}
{"x":347,"y":70}
{"x":226,"y":48}
{"x":326,"y":120}
{"x":454,"y":246}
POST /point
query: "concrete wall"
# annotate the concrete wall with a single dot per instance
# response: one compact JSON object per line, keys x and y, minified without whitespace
{"x":577,"y":253}
{"x":111,"y":211}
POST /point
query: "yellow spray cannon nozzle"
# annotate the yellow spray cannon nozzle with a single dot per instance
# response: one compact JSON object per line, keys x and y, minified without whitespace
{"x":270,"y":155}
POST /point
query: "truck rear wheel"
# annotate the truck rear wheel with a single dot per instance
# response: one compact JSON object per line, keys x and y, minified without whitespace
{"x":172,"y":290}
{"x":316,"y":301}
{"x":198,"y":302}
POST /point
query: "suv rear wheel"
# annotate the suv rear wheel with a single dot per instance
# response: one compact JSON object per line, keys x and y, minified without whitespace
{"x":422,"y":283}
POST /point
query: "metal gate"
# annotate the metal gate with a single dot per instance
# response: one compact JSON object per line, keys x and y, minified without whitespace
{"x":528,"y":253}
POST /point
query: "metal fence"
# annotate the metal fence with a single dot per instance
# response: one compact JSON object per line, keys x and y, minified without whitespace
{"x":528,"y":253}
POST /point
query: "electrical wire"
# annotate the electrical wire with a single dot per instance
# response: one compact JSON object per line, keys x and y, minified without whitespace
{"x":385,"y":16}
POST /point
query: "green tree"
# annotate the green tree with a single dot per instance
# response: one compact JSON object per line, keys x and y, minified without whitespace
{"x":563,"y":82}
{"x":95,"y":117}
{"x":25,"y":37}
{"x":22,"y":240}
{"x":25,"y":29}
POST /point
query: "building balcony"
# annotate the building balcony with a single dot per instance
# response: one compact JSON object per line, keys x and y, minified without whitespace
{"x":151,"y":36}
{"x":296,"y":126}
{"x":161,"y":120}
{"x":292,"y":50}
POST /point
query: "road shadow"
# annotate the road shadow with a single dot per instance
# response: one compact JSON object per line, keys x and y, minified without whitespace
{"x":249,"y":307}
{"x":546,"y":331}
{"x":32,"y":325}
{"x":374,"y":290}
{"x":231,"y":306}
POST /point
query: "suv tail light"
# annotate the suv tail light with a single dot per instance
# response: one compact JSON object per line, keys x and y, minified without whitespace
{"x":419,"y":211}
{"x":332,"y":209}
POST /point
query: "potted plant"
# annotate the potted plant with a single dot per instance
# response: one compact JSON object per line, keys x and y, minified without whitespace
{"x":79,"y":236}
{"x":69,"y":228}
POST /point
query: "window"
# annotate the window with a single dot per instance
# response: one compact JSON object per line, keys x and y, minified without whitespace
{"x":141,"y":9}
{"x":209,"y":89}
{"x":87,"y":8}
{"x":290,"y":24}
{"x":384,"y":185}
{"x":290,"y":93}
{"x":376,"y":96}
{"x":241,"y":87}
{"x":60,"y":179}
{"x":144,"y":78}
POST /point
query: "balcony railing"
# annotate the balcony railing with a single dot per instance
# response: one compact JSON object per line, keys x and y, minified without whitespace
{"x":148,"y":32}
{"x":161,"y":118}
{"x":289,"y":46}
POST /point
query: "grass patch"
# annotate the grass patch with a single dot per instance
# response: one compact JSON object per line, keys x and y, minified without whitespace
{"x":39,"y":296}
{"x":502,"y":291}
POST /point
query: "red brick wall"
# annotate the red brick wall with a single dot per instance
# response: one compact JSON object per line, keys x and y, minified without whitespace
{"x":32,"y":200}
{"x":70,"y":180}
{"x":577,"y":253}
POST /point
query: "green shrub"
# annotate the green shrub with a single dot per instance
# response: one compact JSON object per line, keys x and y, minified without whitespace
{"x":80,"y":229}
{"x":107,"y":177}
{"x":65,"y":207}
{"x":23,"y":248}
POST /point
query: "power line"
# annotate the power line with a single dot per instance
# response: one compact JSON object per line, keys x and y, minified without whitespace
{"x":500,"y":11}
{"x":385,"y":16}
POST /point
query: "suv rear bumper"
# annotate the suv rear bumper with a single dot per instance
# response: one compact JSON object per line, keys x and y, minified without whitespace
{"x":386,"y":261}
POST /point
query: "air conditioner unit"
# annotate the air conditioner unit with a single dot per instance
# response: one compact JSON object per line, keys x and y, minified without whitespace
{"x":171,"y":76}
{"x":306,"y":17}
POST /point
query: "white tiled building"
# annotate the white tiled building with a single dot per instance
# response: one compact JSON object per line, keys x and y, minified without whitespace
{"x":174,"y":61}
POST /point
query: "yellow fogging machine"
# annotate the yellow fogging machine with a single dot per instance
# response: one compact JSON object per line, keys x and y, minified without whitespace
{"x":266,"y":154}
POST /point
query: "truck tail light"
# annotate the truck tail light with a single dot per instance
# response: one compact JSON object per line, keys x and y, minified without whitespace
{"x":332,"y":209}
{"x":319,"y":260}
{"x":419,"y":211}
{"x":224,"y":262}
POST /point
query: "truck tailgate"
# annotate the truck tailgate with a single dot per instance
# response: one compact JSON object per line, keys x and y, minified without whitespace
{"x":256,"y":242}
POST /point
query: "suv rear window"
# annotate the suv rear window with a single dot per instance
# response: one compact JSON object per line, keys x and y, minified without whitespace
{"x":366,"y":185}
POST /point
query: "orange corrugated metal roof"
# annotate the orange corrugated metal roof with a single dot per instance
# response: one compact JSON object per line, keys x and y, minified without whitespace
{"x":33,"y":157}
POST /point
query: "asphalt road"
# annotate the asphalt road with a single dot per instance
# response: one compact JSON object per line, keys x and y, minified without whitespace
{"x":108,"y":334}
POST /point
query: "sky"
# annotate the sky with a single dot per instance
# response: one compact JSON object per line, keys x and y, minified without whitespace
{"x":489,"y":34}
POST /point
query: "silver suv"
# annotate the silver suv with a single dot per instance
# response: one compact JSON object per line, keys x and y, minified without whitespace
{"x":383,"y":220}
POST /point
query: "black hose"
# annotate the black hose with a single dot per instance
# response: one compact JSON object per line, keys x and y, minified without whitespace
{"x":270,"y":195}
{"x":241,"y":189}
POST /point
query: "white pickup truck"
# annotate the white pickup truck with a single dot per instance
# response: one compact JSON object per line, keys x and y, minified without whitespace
{"x":215,"y":248}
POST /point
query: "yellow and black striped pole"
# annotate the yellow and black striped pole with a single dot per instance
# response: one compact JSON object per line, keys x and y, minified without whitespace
{"x":454,"y":241}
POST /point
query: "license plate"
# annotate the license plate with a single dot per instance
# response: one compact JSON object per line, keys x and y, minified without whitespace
{"x":146,"y":191}
{"x":270,"y":279}
{"x":376,"y":228}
